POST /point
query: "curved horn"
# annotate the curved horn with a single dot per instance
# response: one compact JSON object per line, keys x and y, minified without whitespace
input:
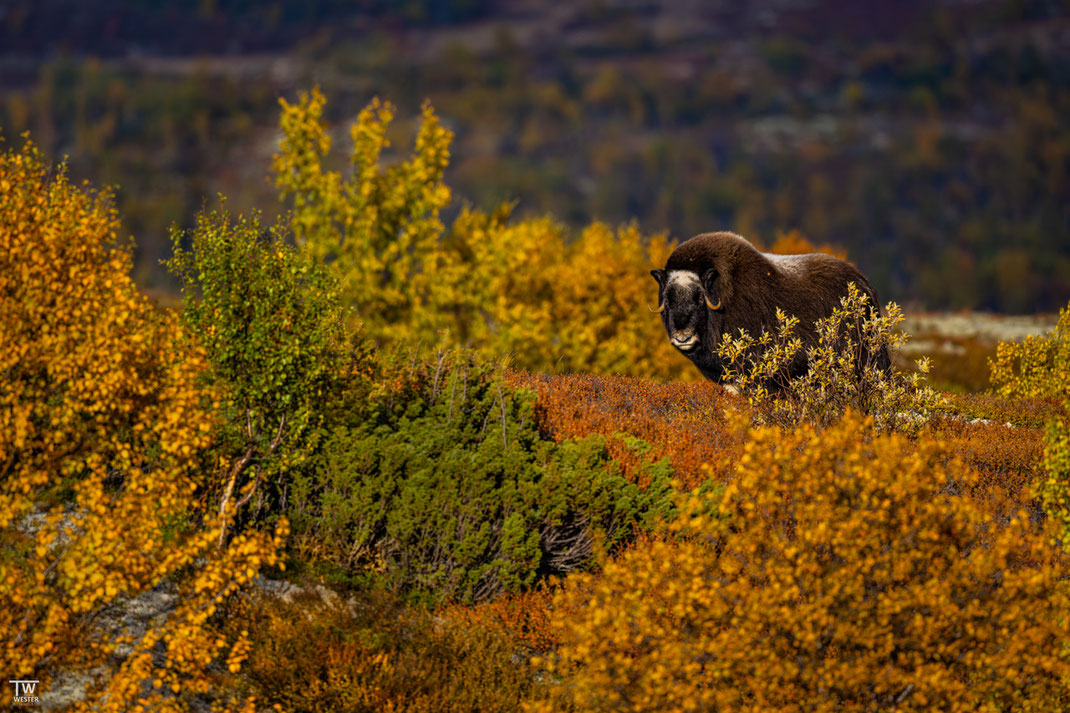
{"x":712,"y":306}
{"x":659,"y":310}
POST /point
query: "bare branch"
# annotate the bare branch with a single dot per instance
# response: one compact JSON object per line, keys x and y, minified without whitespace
{"x":501,"y":400}
{"x":256,"y":482}
{"x":235,"y":471}
{"x":278,"y":436}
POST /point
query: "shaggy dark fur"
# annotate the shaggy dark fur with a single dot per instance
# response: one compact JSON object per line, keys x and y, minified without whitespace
{"x":746,"y":287}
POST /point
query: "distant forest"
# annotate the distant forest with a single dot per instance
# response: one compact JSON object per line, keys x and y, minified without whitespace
{"x":928,"y":139}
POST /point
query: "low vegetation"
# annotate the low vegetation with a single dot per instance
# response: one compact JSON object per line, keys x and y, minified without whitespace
{"x":844,"y":568}
{"x":374,"y":653}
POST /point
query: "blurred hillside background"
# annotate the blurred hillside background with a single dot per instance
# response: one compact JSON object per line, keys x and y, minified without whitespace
{"x":928,"y":139}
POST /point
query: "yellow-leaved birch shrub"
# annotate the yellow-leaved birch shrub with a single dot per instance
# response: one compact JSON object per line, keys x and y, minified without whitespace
{"x":555,"y":305}
{"x":102,"y":431}
{"x":844,"y":369}
{"x":527,"y":290}
{"x":601,"y":290}
{"x":497,"y":291}
{"x":1039,"y":367}
{"x":843,"y":571}
{"x":379,"y":226}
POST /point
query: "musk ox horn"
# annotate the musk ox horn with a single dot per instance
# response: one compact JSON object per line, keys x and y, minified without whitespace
{"x":714,"y":307}
{"x":659,"y":310}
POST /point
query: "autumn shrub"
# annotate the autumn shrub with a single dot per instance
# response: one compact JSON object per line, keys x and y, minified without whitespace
{"x":846,"y":571}
{"x":371,"y":653}
{"x":523,"y":616}
{"x":380,"y":227}
{"x":274,"y":330}
{"x":1008,"y":461}
{"x":1003,"y":438}
{"x":447,"y":489}
{"x":600,"y":318}
{"x":553,"y":302}
{"x":1039,"y":367}
{"x":1018,"y":411}
{"x":844,"y":369}
{"x":643,"y":421}
{"x":529,"y":290}
{"x":103,"y":427}
{"x":794,"y":242}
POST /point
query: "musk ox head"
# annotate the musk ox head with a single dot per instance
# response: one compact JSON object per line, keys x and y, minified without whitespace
{"x":685,"y":304}
{"x":702,"y":293}
{"x":692,"y":311}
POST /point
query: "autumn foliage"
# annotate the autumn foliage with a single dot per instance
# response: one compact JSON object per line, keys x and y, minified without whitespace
{"x":278,"y":347}
{"x":844,"y":369}
{"x":315,"y":651}
{"x":1036,"y":367}
{"x":378,"y":227}
{"x":1040,"y":368}
{"x":843,"y":570}
{"x":794,"y":242}
{"x":551,"y":301}
{"x":102,"y":430}
{"x":643,"y":421}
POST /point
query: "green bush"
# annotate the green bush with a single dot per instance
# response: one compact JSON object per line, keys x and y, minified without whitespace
{"x":272,"y":324}
{"x":447,"y":489}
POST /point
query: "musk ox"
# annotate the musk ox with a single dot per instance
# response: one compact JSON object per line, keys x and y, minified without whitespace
{"x":717,"y":283}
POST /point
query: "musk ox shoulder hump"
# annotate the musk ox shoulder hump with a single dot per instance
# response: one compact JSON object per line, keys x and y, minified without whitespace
{"x":794,"y":265}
